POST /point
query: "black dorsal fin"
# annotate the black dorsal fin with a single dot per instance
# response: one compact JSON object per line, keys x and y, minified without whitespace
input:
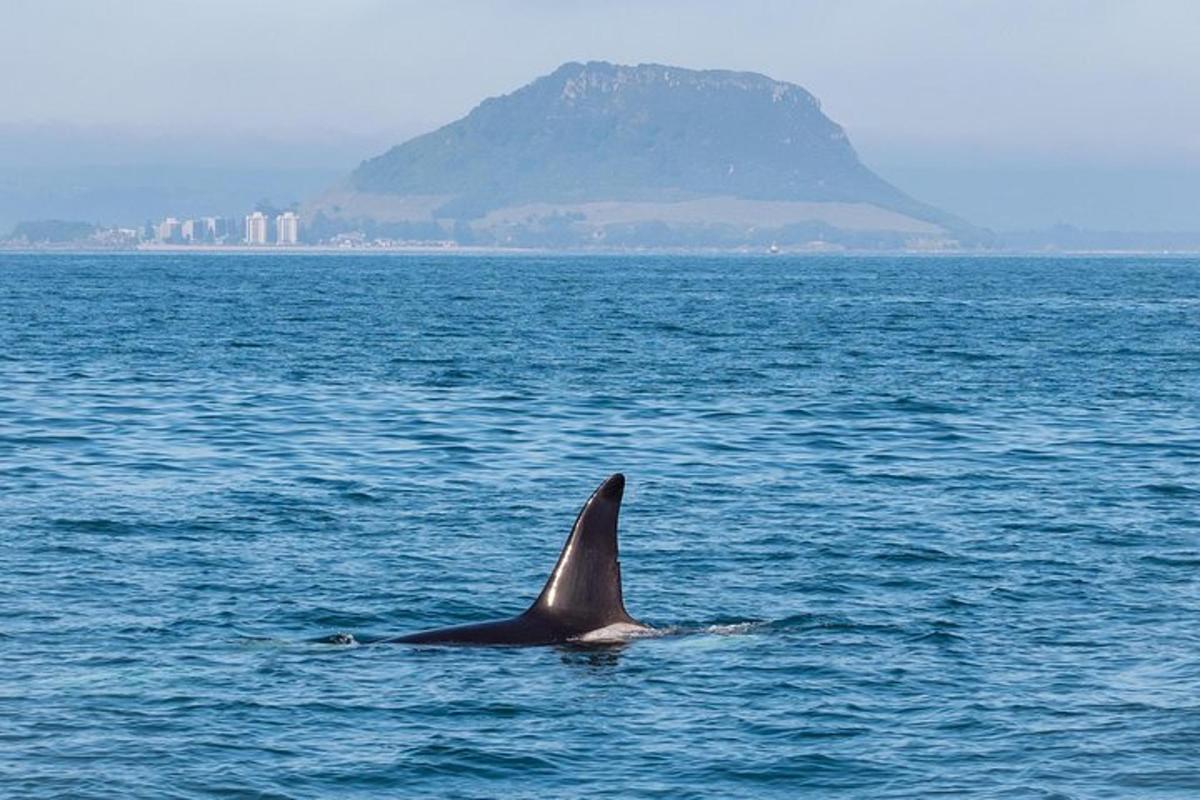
{"x":584,"y":590}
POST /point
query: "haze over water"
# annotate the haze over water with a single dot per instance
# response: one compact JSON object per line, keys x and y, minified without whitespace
{"x":915,"y":526}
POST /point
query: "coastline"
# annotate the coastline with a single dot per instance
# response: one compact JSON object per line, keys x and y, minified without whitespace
{"x":149,"y":248}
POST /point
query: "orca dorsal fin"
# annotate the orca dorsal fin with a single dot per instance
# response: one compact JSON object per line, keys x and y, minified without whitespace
{"x":584,"y":590}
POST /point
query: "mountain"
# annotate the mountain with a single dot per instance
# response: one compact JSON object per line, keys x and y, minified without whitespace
{"x":607,"y":154}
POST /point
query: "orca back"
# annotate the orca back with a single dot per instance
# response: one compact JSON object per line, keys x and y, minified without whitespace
{"x":582,"y":594}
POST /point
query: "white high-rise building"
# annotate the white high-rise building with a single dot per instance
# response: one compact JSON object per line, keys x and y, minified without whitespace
{"x":188,"y":230}
{"x":287,"y":228}
{"x":168,"y":230}
{"x":256,"y":228}
{"x":210,"y":228}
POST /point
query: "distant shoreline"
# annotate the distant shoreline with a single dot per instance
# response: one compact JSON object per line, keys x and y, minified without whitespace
{"x":307,"y":248}
{"x":248,"y":249}
{"x":470,"y":250}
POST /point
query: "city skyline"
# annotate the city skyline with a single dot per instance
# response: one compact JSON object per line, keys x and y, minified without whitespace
{"x":255,"y":228}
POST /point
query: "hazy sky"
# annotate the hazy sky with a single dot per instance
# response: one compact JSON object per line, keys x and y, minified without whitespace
{"x":923,"y":87}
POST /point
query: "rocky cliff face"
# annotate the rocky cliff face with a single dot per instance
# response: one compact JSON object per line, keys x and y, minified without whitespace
{"x":601,"y":152}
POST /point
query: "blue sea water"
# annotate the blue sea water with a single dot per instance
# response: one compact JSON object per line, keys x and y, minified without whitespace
{"x":915,"y":527}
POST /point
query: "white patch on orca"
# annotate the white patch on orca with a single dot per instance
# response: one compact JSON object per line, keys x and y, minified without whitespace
{"x":617,"y":632}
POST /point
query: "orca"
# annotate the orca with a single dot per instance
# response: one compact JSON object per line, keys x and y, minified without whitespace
{"x":581,"y":601}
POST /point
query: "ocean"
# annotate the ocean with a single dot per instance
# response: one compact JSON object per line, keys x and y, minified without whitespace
{"x":910,"y":527}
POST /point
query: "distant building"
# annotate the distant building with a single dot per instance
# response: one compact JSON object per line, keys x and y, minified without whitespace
{"x":256,"y":228}
{"x":168,"y":231}
{"x":287,"y":228}
{"x":210,"y":228}
{"x":116,"y":237}
{"x":188,"y":230}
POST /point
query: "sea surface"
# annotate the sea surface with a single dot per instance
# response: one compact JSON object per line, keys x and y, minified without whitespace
{"x":910,"y":527}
